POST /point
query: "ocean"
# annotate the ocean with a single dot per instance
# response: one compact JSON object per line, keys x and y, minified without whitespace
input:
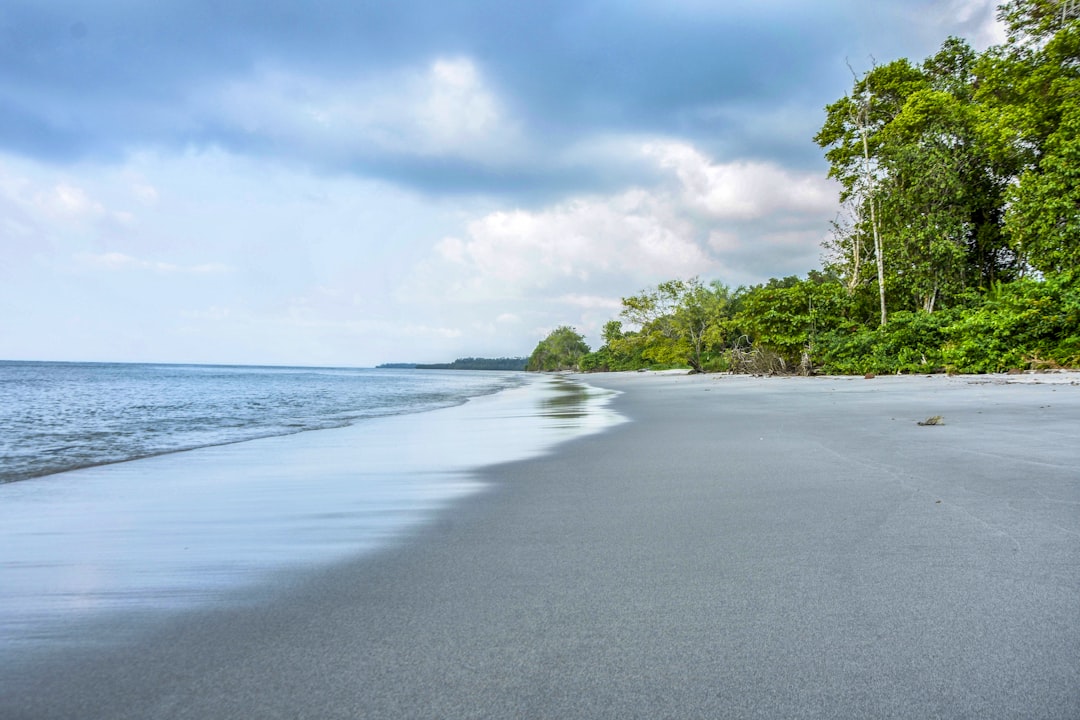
{"x":63,"y":416}
{"x":137,"y":491}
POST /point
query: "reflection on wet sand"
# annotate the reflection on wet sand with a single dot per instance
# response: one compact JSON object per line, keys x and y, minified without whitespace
{"x":170,"y":532}
{"x":567,"y":402}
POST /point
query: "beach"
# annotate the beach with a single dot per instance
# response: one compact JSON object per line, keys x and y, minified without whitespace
{"x":740,"y":547}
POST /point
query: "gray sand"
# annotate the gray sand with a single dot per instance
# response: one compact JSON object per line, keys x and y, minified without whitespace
{"x":744,"y":548}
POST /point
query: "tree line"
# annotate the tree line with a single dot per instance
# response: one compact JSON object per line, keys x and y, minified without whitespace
{"x":469,"y":363}
{"x":958,"y":243}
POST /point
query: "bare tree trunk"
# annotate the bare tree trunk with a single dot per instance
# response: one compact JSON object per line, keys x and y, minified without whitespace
{"x":878,"y":254}
{"x":857,"y":265}
{"x":930,"y":300}
{"x":862,"y":120}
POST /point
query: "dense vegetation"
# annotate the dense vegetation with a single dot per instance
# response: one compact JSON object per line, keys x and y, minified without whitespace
{"x":562,"y":349}
{"x":959,"y":243}
{"x":469,"y":363}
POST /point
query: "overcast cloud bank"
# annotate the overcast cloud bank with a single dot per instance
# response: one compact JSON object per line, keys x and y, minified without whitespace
{"x":415,"y":181}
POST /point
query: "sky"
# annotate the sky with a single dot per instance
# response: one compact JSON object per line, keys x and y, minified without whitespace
{"x":352,"y":182}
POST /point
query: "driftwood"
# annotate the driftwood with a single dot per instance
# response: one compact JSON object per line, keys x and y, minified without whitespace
{"x":750,"y":360}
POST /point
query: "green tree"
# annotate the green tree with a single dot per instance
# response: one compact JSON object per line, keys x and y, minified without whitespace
{"x":851,"y":138}
{"x":1044,"y":217}
{"x":562,"y":349}
{"x":1031,"y":101}
{"x":681,"y":322}
{"x":920,"y":177}
{"x":785,"y":316}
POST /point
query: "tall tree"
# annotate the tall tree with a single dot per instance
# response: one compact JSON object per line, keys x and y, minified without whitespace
{"x":851,"y":137}
{"x":1031,"y":97}
{"x":562,"y":349}
{"x":680,"y":321}
{"x":908,"y":147}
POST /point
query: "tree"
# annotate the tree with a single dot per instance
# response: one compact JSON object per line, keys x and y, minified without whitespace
{"x":850,"y":136}
{"x":784,"y":316}
{"x":562,"y":349}
{"x":1044,"y":217}
{"x":681,"y":321}
{"x":1031,"y":97}
{"x":926,"y":199}
{"x":909,"y":148}
{"x":1031,"y":22}
{"x":960,"y":183}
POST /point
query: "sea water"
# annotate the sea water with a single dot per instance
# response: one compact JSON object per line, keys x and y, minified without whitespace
{"x":62,"y":416}
{"x":193,"y":484}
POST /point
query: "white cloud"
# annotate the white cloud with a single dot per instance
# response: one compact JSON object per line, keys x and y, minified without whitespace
{"x":743,"y":190}
{"x":452,"y":249}
{"x":145,"y":193}
{"x":42,"y":210}
{"x":977,"y":20}
{"x":120,"y":261}
{"x":633,"y":234}
{"x":70,"y":200}
{"x":61,"y":202}
{"x":445,"y":109}
{"x":721,"y":241}
{"x":458,"y":109}
{"x":306,"y":265}
{"x":50,"y":195}
{"x":426,"y":331}
{"x":591,"y":302}
{"x":730,"y":221}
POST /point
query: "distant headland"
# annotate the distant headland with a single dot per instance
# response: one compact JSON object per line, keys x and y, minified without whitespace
{"x":513,"y":363}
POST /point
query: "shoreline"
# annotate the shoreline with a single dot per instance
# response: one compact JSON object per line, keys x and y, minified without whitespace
{"x":1058,"y":376}
{"x":751,"y":549}
{"x":129,"y":440}
{"x":152,"y":536}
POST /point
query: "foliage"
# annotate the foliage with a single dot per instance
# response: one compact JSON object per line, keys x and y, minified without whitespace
{"x":682,"y":322}
{"x":910,"y":343}
{"x":785,"y":316}
{"x":473,"y":363}
{"x":562,"y":349}
{"x":960,"y":182}
{"x":1027,"y":324}
{"x":1030,"y":95}
{"x":619,"y":352}
{"x":920,"y":163}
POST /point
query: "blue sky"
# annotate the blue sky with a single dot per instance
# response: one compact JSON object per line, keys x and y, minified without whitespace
{"x":350,"y":183}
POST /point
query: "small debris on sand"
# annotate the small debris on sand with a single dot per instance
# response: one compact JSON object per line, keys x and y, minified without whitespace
{"x":933,"y":420}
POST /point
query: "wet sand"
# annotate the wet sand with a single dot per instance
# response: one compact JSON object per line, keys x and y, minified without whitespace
{"x":744,"y":548}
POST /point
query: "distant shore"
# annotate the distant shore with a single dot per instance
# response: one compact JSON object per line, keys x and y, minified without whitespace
{"x":1064,"y":376}
{"x":743,"y":547}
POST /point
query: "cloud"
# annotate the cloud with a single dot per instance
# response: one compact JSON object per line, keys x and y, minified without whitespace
{"x":59,"y":202}
{"x":975,"y":20}
{"x":385,"y":180}
{"x":737,"y":222}
{"x":69,"y":200}
{"x":520,"y":251}
{"x":449,"y":98}
{"x":591,"y":301}
{"x":45,"y":211}
{"x":120,"y":261}
{"x":146,"y":194}
{"x":742,"y":190}
{"x":444,"y":109}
